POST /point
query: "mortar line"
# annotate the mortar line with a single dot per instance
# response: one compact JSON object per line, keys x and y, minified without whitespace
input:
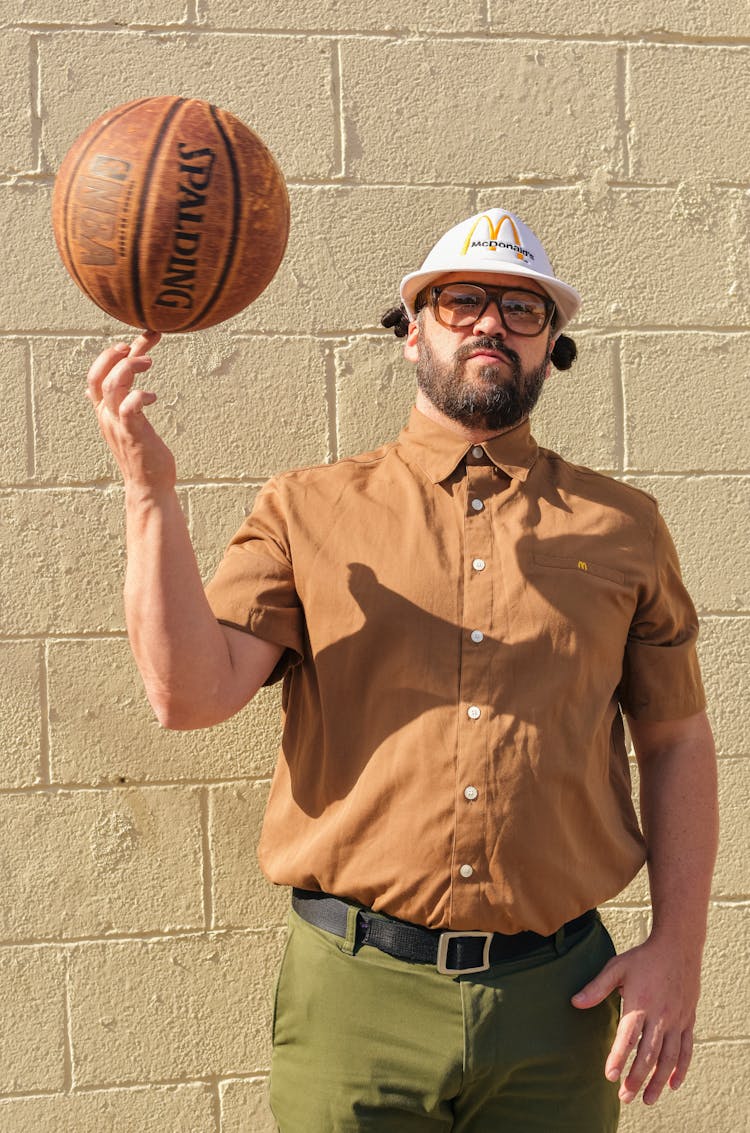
{"x":619,"y":403}
{"x":331,"y":372}
{"x":206,"y":813}
{"x":153,"y":936}
{"x":674,"y":40}
{"x":61,"y":788}
{"x":622,"y":87}
{"x":45,"y":759}
{"x":30,"y":412}
{"x":215,"y":1091}
{"x":35,"y":101}
{"x":339,"y":161}
{"x":68,"y":1078}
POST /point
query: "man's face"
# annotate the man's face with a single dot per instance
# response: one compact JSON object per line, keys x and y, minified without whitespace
{"x":482,"y":376}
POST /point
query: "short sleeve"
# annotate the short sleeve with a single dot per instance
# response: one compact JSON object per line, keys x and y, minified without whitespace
{"x":253,"y":588}
{"x":661,"y":677}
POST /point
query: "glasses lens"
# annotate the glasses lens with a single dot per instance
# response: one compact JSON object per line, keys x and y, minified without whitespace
{"x":524,"y":312}
{"x":459,"y":304}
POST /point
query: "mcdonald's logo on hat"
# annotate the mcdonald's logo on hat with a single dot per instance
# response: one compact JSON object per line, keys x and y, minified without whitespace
{"x":494,"y":243}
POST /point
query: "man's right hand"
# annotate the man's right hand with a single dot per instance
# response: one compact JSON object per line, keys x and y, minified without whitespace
{"x":146,"y":464}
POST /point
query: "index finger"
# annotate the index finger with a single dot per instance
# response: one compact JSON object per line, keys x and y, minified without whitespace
{"x":143,"y":343}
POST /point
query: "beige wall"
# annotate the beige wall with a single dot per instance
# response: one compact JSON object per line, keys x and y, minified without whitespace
{"x":138,"y":941}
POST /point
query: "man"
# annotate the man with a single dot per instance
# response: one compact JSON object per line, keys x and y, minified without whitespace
{"x":460,"y":618}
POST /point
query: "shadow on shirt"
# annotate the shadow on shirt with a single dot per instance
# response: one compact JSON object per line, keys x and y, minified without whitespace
{"x":399,"y":687}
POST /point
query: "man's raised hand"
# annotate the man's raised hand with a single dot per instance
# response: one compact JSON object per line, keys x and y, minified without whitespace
{"x":146,"y":464}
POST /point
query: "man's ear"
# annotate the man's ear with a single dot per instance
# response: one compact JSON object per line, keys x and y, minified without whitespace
{"x":411,"y":347}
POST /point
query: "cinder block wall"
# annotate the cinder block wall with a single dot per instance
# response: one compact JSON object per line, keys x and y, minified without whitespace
{"x":137,"y":939}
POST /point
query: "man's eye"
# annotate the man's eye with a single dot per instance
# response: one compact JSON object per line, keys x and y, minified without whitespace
{"x":454,"y":300}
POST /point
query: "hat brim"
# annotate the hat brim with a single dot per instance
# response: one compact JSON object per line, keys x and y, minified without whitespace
{"x":566,"y":298}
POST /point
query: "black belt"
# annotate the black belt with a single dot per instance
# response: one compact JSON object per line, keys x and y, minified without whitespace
{"x":453,"y":953}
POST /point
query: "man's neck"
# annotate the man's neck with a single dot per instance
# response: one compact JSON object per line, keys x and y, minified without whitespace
{"x":475,"y":434}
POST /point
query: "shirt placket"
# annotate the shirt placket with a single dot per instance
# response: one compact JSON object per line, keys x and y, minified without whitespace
{"x":474,"y":709}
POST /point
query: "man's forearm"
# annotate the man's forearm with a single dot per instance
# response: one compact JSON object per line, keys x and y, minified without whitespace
{"x":178,"y":645}
{"x":680,"y":823}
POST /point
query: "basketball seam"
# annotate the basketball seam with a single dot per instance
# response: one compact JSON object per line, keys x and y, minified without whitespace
{"x":138,"y":230}
{"x":236,"y":214}
{"x":70,"y":186}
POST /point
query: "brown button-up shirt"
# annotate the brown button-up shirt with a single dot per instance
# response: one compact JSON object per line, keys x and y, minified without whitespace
{"x":462,"y":625}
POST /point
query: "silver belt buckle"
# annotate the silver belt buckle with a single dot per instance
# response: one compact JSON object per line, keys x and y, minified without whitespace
{"x":442,"y":953}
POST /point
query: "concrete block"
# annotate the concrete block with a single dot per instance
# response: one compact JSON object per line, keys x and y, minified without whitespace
{"x":69,"y":447}
{"x":94,"y":11}
{"x":241,"y":895}
{"x":657,"y":18}
{"x":705,"y":515}
{"x":216,"y":514}
{"x":394,"y":133}
{"x":244,"y":1107}
{"x":48,"y":584}
{"x":149,"y":1109}
{"x":15,"y":457}
{"x":102,"y":729}
{"x":731,"y":878}
{"x":241,"y":409}
{"x":226,"y":408}
{"x":375,"y":391}
{"x":348,"y":250}
{"x":714,"y":1095}
{"x":578,"y":413}
{"x":32,"y":1008}
{"x":16,"y":139}
{"x":281,"y":88}
{"x":171,"y":1009}
{"x":706,"y":402}
{"x":696,"y":93}
{"x":132,"y":863}
{"x":43,"y":296}
{"x":723,"y":649}
{"x":627,"y":927}
{"x":345,"y":15}
{"x":638,"y":256}
{"x":20,"y":713}
{"x":725,"y":999}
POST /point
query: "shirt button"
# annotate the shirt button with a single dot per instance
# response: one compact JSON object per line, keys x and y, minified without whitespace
{"x":477,"y":636}
{"x":479,"y":564}
{"x":470,"y":793}
{"x":474,"y":713}
{"x":477,"y":505}
{"x":466,"y":871}
{"x":477,"y":452}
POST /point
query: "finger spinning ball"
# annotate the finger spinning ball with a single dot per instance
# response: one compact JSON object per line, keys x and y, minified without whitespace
{"x":170,"y":214}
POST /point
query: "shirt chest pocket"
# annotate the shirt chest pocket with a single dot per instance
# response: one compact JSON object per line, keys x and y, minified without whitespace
{"x":584,"y":566}
{"x":580,"y":600}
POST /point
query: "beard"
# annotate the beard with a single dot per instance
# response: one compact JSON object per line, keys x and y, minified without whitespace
{"x":499,"y":396}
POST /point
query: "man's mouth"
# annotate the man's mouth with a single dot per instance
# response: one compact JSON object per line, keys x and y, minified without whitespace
{"x":490,"y":352}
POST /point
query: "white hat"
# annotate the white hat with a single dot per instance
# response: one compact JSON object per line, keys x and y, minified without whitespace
{"x":495,"y":241}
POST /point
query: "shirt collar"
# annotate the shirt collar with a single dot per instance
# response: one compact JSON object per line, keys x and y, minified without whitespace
{"x":438,"y":451}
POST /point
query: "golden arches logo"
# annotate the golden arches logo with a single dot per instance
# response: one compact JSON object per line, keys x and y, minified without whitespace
{"x":494,"y":232}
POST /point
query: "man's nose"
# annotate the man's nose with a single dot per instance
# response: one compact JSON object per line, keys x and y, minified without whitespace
{"x":489,"y":321}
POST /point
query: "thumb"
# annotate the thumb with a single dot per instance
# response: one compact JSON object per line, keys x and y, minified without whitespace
{"x":597,"y":990}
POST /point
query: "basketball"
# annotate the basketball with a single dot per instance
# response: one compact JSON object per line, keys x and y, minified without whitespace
{"x":170,"y":214}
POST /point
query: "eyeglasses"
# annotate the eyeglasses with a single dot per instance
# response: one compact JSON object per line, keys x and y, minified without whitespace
{"x":461,"y":304}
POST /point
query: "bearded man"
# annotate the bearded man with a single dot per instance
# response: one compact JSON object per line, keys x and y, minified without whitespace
{"x":462,"y":620}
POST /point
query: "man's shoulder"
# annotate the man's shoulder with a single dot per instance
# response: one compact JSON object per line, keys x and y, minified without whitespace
{"x":601,"y":487}
{"x":334,"y":473}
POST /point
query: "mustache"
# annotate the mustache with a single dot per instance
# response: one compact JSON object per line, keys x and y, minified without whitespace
{"x":486,"y":343}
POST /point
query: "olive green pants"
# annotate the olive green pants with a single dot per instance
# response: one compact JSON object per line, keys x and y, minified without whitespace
{"x":366,"y":1042}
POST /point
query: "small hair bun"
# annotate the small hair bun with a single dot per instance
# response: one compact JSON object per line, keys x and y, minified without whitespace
{"x":396,"y":319}
{"x":564,"y":353}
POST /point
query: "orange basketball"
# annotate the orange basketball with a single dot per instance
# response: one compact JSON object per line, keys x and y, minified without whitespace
{"x":170,"y":214}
